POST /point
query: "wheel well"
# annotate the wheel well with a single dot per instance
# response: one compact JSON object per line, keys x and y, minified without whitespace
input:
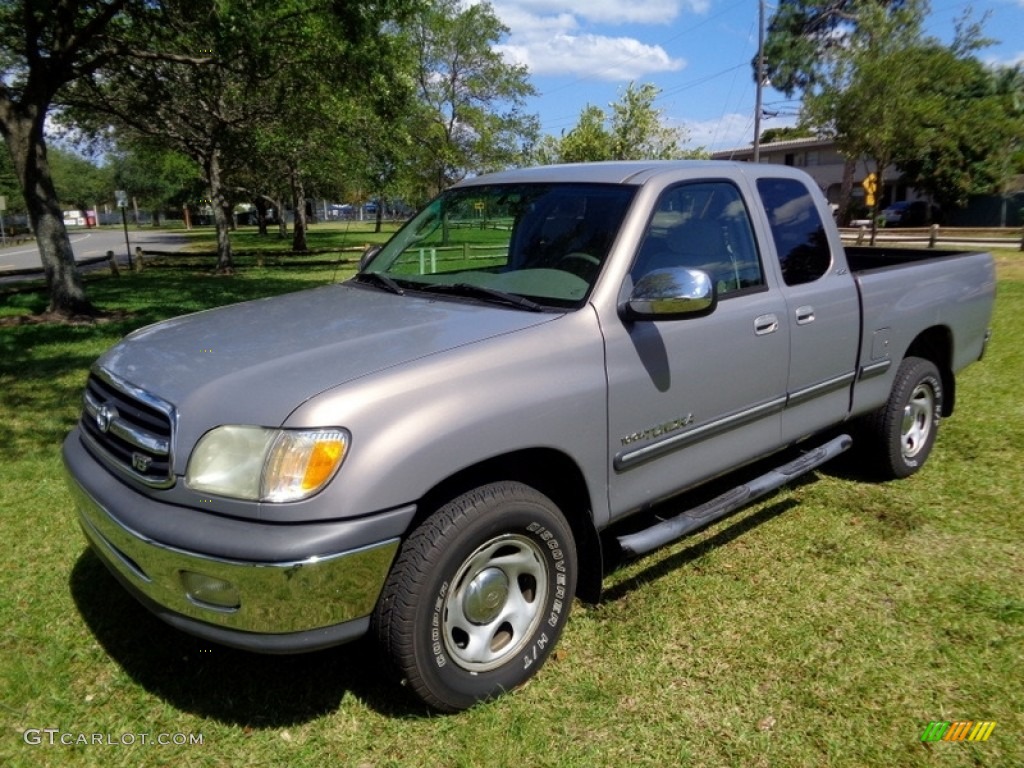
{"x":556,"y":476}
{"x":936,"y":344}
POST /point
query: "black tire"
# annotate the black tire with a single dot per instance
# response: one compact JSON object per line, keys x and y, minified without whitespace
{"x":478,"y":596}
{"x":902,"y":432}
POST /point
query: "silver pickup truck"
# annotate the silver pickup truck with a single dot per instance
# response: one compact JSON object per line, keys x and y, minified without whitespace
{"x":437,"y":451}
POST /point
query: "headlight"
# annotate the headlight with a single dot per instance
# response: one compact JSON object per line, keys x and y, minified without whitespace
{"x":266,"y":464}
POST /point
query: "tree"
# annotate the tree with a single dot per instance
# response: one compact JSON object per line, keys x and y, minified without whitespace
{"x":44,"y":45}
{"x":588,"y":140}
{"x":805,"y":38}
{"x":470,"y":117}
{"x":219,"y":78}
{"x":192,"y":92}
{"x":632,"y":129}
{"x":81,"y":184}
{"x":1009,"y":87}
{"x":158,"y":178}
{"x":335,"y":133}
{"x":786,"y":133}
{"x":860,"y":107}
{"x":968,"y":128}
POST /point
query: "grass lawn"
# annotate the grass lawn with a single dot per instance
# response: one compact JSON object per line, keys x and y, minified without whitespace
{"x":825,"y":626}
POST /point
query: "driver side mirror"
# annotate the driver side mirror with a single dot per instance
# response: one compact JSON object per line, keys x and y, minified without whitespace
{"x":668,"y":294}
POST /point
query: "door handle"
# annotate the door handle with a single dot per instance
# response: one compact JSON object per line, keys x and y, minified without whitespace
{"x":765,"y":324}
{"x":804,"y":315}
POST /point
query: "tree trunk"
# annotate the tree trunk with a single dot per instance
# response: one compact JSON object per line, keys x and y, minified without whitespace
{"x":299,"y":204}
{"x":380,"y":213}
{"x":846,"y":191}
{"x":22,"y":129}
{"x":225,"y":266}
{"x":282,"y":222}
{"x":260,"y":203}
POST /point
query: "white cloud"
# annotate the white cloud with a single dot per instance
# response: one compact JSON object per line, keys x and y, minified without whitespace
{"x":553,"y":38}
{"x":605,"y":58}
{"x":606,"y":11}
{"x":732,"y":130}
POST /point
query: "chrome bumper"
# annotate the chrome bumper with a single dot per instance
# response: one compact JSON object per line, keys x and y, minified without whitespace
{"x":294,"y":599}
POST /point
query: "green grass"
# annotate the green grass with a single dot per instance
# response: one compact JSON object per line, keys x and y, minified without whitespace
{"x":320,"y":238}
{"x":826,"y":625}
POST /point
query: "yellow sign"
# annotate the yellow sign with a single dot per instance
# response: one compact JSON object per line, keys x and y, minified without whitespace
{"x":870,"y":185}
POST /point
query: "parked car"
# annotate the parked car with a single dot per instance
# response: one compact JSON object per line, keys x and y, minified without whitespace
{"x":907,"y":213}
{"x":436,"y":451}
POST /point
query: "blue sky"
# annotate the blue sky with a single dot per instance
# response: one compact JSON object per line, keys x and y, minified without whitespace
{"x":696,"y":51}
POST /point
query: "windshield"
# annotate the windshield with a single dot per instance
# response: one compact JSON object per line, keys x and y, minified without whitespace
{"x":544,"y":242}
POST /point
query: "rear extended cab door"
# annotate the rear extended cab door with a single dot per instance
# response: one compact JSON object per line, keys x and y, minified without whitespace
{"x":821,"y":296}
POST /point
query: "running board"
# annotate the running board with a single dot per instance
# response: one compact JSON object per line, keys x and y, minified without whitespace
{"x":667,"y":531}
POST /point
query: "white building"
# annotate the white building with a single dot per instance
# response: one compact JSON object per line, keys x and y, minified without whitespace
{"x":819,"y":158}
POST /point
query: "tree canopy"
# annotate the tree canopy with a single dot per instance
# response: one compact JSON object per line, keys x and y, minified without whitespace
{"x":470,"y":101}
{"x":631,"y":129}
{"x":872,"y":80}
{"x":44,"y":46}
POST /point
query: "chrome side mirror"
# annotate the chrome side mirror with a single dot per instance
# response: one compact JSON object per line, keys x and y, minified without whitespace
{"x":666,"y":294}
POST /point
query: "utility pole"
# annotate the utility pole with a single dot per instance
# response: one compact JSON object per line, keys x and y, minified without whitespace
{"x":760,"y":81}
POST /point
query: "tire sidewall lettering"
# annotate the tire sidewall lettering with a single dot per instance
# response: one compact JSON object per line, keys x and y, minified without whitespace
{"x":436,"y":630}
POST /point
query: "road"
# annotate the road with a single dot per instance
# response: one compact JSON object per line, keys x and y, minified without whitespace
{"x":92,"y":243}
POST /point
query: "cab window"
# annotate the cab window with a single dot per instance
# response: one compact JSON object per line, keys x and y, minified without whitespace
{"x":706,"y":226}
{"x":797,"y":230}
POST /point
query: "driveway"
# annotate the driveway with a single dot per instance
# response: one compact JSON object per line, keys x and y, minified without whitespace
{"x":88,"y":244}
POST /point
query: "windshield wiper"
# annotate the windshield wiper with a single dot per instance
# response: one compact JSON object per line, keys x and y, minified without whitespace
{"x":486,"y":294}
{"x":381,"y":280}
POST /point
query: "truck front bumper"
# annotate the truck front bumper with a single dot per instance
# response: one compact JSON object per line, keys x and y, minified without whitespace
{"x":301,"y":603}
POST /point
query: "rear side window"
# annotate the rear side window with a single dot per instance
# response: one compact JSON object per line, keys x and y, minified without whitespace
{"x":797,"y":229}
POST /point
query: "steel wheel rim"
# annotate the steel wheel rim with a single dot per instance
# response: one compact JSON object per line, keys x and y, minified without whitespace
{"x":918,"y":417}
{"x":496,"y":602}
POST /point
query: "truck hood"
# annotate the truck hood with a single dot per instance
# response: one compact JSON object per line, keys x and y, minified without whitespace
{"x":254,"y":363}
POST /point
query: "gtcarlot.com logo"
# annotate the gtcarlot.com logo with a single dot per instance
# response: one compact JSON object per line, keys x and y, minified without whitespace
{"x":57,"y":738}
{"x":959,"y":730}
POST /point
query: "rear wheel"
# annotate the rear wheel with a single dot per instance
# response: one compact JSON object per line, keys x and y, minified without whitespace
{"x":478,"y":595}
{"x":901,"y":433}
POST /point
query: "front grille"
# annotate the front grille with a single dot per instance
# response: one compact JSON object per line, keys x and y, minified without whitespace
{"x":131,"y":428}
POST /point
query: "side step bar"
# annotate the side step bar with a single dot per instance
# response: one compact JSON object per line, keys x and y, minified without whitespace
{"x":667,"y":531}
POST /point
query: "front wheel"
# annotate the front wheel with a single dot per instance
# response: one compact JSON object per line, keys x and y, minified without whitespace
{"x":478,"y":595}
{"x":902,"y":432}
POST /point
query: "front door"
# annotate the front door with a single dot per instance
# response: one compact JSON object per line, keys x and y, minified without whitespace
{"x":689,"y":397}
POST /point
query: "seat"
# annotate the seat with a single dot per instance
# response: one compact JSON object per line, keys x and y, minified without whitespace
{"x":694,"y":243}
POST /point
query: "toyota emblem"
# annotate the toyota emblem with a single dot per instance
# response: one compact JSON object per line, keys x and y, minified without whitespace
{"x":104,"y":416}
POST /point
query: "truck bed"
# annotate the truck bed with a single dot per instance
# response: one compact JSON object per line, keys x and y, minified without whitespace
{"x":862,"y":258}
{"x":913,"y":300}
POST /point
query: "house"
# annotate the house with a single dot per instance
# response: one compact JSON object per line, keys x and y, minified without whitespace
{"x":819,"y":158}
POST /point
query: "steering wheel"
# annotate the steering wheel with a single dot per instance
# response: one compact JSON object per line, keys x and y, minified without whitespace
{"x":581,"y":264}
